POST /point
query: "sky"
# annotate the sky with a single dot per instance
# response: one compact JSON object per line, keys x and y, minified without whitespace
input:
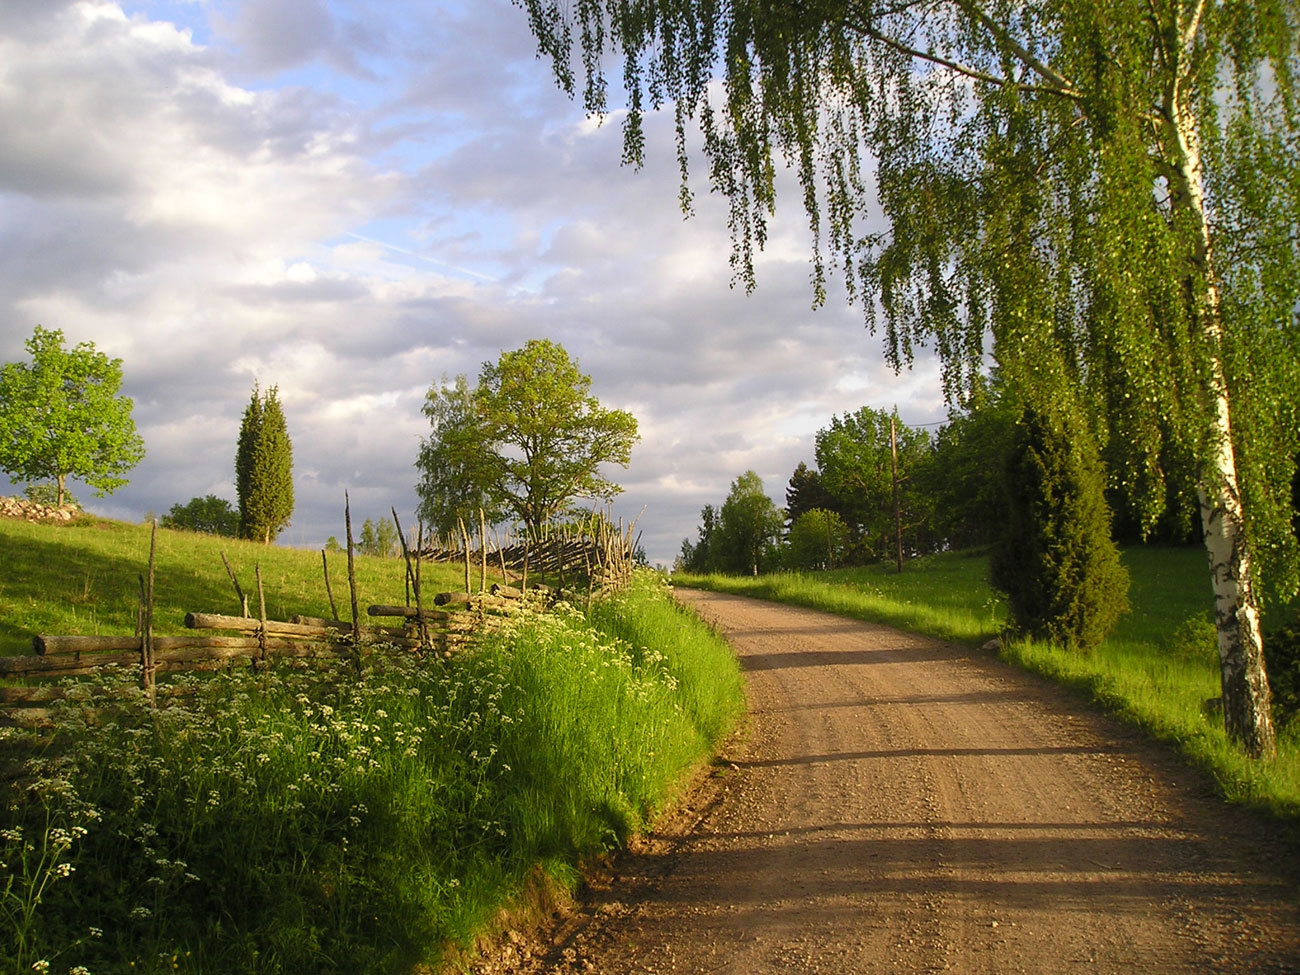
{"x":351,"y":201}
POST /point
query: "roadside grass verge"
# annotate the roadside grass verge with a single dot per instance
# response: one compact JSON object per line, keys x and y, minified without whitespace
{"x":1159,"y":670}
{"x":301,"y":821}
{"x":944,"y":596}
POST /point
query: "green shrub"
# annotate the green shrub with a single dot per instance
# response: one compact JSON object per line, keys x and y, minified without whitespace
{"x":1056,"y":560}
{"x":1282,"y":661}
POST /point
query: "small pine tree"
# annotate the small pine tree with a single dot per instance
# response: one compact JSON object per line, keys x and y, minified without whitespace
{"x":264,"y":468}
{"x":1056,"y":560}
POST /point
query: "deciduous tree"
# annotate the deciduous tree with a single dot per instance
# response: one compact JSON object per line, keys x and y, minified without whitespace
{"x":749,"y":527}
{"x":1127,"y":172}
{"x":61,"y":416}
{"x":531,"y":436}
{"x":457,"y":471}
{"x":817,"y":539}
{"x":209,"y":514}
{"x":857,"y":469}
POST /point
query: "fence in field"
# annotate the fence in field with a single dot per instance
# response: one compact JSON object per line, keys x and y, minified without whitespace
{"x":454,"y":620}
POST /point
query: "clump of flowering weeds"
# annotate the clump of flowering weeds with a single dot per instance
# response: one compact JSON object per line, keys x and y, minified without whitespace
{"x":320,"y":819}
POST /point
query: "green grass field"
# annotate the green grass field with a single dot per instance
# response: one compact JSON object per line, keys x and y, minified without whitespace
{"x":1157,"y":670}
{"x":85,"y":579}
{"x":321,"y":820}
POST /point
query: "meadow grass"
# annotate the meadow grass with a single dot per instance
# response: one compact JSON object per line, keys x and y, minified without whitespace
{"x":84,"y":578}
{"x":300,"y":821}
{"x":1158,"y":670}
{"x":945,"y":596}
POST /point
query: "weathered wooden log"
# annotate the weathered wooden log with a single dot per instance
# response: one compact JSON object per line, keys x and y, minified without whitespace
{"x":473,"y":601}
{"x":84,"y":644}
{"x":407,"y":612}
{"x":61,"y":664}
{"x":215,"y":621}
{"x":342,"y":626}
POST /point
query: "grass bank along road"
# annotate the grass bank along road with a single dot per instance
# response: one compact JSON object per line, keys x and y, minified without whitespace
{"x":904,"y":805}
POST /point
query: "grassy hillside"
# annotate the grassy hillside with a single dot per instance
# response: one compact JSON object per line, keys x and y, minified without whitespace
{"x":321,"y":820}
{"x":83,"y":579}
{"x":1158,"y":669}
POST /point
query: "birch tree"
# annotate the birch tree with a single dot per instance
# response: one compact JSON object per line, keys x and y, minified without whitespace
{"x":1099,"y":193}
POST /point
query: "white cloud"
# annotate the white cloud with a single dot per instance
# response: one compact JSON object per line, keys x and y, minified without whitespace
{"x":350,"y":204}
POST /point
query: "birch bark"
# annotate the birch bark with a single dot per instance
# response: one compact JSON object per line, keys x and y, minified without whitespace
{"x":1246,"y":699}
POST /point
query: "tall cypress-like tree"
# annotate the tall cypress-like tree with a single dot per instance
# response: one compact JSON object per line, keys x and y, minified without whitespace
{"x":264,"y":468}
{"x":1055,"y":559}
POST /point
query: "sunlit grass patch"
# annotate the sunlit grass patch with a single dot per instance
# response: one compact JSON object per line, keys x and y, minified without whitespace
{"x":300,"y":820}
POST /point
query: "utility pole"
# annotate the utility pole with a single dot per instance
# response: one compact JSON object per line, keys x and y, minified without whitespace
{"x":898,"y":514}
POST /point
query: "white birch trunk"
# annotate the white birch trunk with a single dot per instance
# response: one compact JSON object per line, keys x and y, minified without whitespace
{"x":1246,"y":704}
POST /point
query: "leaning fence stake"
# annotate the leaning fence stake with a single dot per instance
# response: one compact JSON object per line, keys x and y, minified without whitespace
{"x":239,"y":593}
{"x":325,"y":568}
{"x":261,"y":615}
{"x":352,"y":575}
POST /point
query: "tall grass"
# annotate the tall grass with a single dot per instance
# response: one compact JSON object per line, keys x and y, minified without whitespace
{"x":1159,"y":670}
{"x":299,"y":821}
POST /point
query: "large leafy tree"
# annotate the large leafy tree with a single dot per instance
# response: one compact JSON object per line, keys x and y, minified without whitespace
{"x":264,"y":468}
{"x":529,"y":439}
{"x":1108,"y":188}
{"x":856,"y":460}
{"x":209,"y":514}
{"x":749,"y":527}
{"x":456,"y":467}
{"x":61,"y":416}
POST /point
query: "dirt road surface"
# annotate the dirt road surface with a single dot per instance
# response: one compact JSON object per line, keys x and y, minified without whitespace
{"x":903,"y":805}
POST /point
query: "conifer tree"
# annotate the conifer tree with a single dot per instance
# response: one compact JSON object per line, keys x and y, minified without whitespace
{"x":1056,"y":560}
{"x":264,"y":468}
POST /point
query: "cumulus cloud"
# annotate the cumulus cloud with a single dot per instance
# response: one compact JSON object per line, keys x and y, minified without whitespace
{"x":350,"y":202}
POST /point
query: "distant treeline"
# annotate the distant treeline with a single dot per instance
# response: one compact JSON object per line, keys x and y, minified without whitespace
{"x":935,"y":488}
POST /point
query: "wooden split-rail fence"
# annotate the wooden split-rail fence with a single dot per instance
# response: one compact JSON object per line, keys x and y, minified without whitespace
{"x":603,"y":557}
{"x":602,"y":554}
{"x":454,"y":622}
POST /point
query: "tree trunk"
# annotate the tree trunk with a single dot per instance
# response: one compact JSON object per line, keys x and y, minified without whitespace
{"x":1246,"y":705}
{"x":62,"y":479}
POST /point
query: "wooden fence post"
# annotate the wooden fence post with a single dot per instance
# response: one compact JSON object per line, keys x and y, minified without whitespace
{"x":261,"y":616}
{"x":352,"y":574}
{"x":464,"y":540}
{"x":146,"y":638}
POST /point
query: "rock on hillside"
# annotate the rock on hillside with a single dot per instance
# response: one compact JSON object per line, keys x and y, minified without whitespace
{"x":32,"y":511}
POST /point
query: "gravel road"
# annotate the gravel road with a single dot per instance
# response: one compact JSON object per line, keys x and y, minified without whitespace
{"x":902,"y":805}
